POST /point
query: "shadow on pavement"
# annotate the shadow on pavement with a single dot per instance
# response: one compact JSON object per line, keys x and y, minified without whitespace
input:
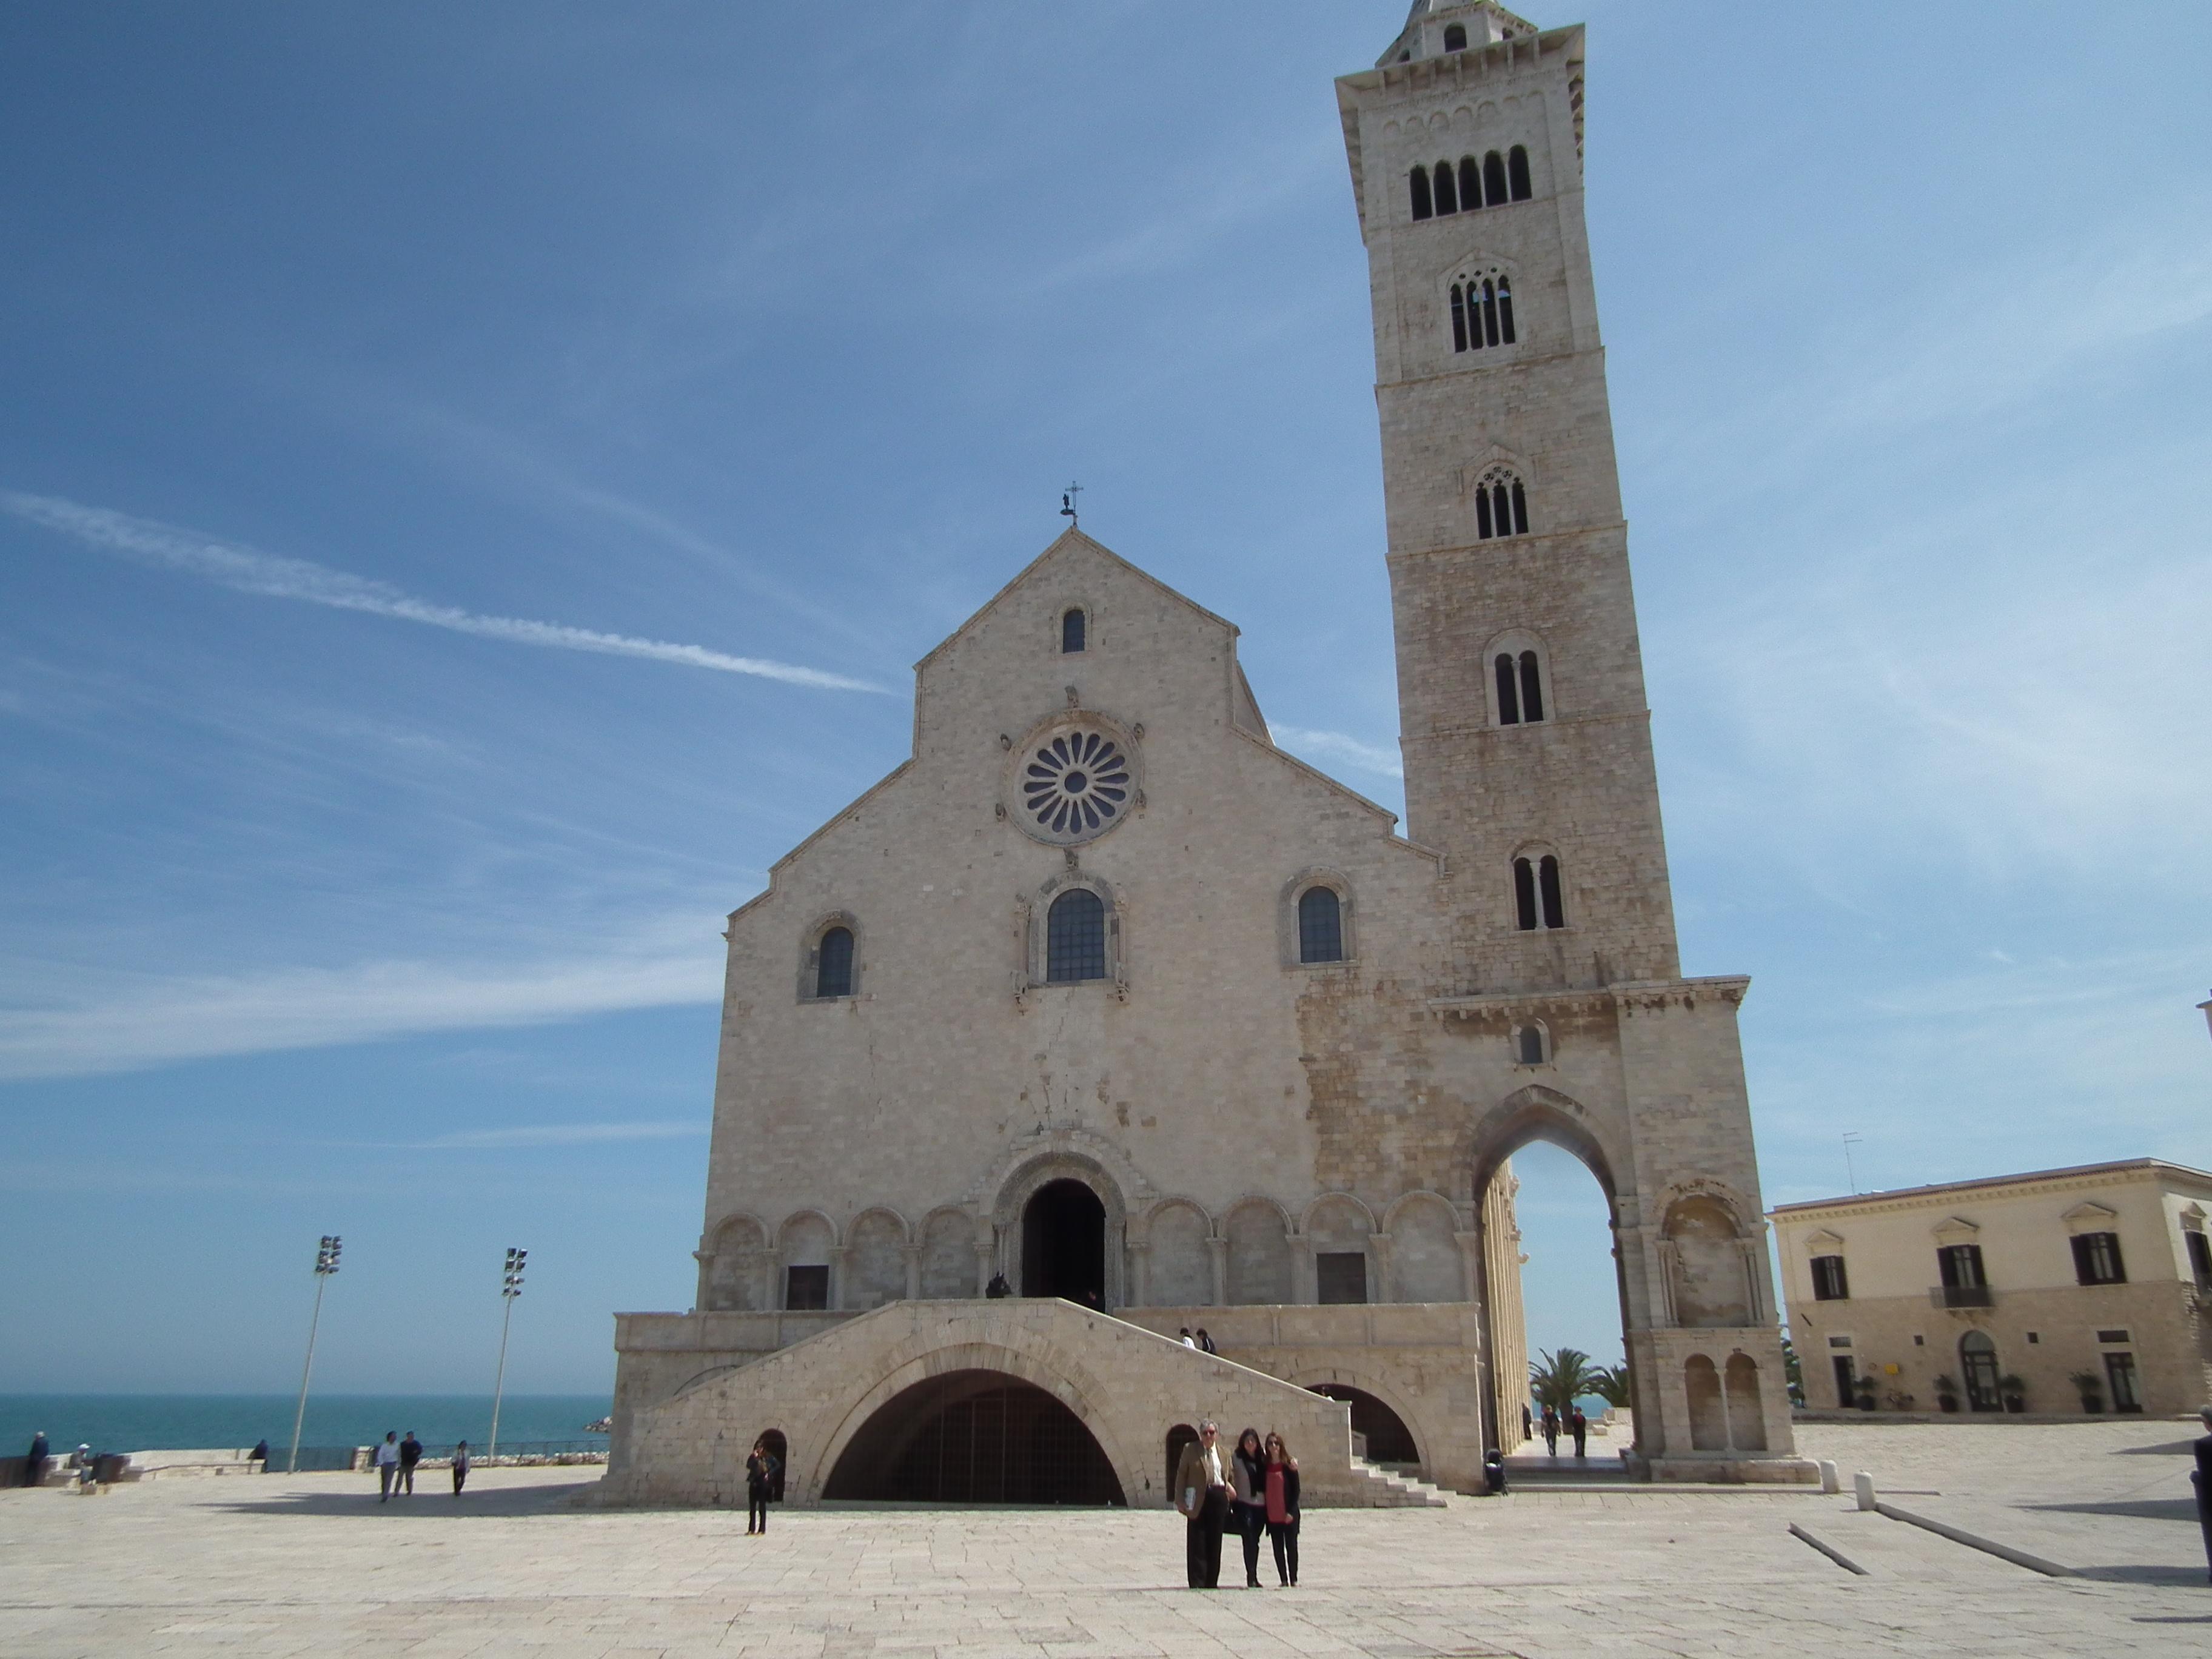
{"x":488,"y":1503}
{"x":2143,"y":1509}
{"x":2164,"y":1449}
{"x":2143,"y":1575}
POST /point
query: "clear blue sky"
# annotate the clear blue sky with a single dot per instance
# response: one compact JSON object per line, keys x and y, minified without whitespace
{"x":388,"y":389}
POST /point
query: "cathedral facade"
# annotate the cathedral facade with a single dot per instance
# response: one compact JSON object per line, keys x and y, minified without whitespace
{"x":1102,"y":998}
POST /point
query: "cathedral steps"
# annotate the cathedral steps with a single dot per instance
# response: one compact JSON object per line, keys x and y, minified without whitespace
{"x":1391,"y":1490}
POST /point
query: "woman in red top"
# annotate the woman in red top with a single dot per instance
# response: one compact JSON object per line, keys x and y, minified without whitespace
{"x":1282,"y":1508}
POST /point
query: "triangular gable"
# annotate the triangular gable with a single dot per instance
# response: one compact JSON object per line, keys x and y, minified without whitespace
{"x":2090,"y":1217}
{"x":1956,"y":1229}
{"x":1824,"y":1242}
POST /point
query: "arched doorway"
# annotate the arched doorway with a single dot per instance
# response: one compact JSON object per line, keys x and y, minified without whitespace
{"x":1388,"y":1439}
{"x":1064,"y":1243}
{"x":975,"y":1436}
{"x":1178,"y":1436}
{"x":778,"y":1448}
{"x":1977,"y":1360}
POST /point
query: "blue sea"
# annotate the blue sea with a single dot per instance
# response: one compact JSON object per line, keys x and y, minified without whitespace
{"x":146,"y":1422}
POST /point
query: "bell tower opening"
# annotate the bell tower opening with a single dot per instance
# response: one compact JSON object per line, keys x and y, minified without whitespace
{"x":1064,"y":1243}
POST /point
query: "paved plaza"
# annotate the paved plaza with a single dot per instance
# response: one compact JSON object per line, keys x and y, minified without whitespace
{"x":314,"y":1564}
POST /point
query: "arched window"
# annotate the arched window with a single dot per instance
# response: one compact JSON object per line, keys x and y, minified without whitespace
{"x":1530,"y":1047}
{"x":1454,"y":37}
{"x":1532,"y":687}
{"x":1321,"y":926}
{"x":1447,"y":195}
{"x":1501,"y":506}
{"x":1071,"y":630}
{"x":1493,"y":179}
{"x":1482,"y":310}
{"x":1516,"y":162}
{"x":1459,"y":319}
{"x":1504,"y":310}
{"x":833,"y":963}
{"x":1075,"y":938}
{"x":1422,"y":209}
{"x":1508,"y":691}
{"x":1470,"y":184}
{"x":1537,"y":902}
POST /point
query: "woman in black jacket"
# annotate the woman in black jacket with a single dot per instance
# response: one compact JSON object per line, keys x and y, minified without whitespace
{"x":1278,"y":1497}
{"x":1247,"y":1480}
{"x":759,"y":1486}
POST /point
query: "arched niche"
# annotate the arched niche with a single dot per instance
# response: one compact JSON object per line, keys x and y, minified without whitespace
{"x":1708,"y":1277}
{"x":1260,"y":1266}
{"x":1011,"y":1210}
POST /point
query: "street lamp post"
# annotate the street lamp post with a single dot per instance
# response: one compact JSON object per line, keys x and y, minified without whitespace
{"x":510,"y":1288}
{"x":326,"y":1263}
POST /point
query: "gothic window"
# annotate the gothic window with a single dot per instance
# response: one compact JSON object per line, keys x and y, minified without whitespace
{"x":833,"y":963}
{"x":1321,"y":926}
{"x":1470,"y":184}
{"x":1447,"y":194}
{"x":1481,"y":311}
{"x":1537,"y":902}
{"x":1501,"y":506}
{"x":1075,"y":938}
{"x":1493,"y":179}
{"x":1454,"y":37}
{"x":1517,"y":164}
{"x":1071,"y":630}
{"x":2097,"y":1259}
{"x":1830,"y":1282}
{"x":1422,"y":206}
{"x":1532,"y":1044}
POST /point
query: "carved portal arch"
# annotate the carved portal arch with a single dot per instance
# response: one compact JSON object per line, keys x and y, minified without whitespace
{"x":1026,"y":1180}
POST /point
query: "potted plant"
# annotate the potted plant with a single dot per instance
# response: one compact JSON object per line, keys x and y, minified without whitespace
{"x":1866,"y":1394}
{"x":1947,"y":1393}
{"x":2014,"y":1391}
{"x":2092,"y":1390}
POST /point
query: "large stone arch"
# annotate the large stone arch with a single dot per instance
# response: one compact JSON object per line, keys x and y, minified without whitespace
{"x":1537,"y":1113}
{"x":837,"y":1424}
{"x":1426,"y":1436}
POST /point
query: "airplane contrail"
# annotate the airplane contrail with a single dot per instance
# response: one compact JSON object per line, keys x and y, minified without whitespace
{"x":250,"y":571}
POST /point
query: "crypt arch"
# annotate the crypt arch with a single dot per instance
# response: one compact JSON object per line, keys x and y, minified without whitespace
{"x":1356,"y":1380}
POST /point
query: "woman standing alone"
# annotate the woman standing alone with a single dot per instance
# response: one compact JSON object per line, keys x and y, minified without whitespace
{"x":1280,"y":1495}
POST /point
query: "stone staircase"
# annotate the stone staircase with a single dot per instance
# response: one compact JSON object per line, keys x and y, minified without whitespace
{"x":1389,"y":1487}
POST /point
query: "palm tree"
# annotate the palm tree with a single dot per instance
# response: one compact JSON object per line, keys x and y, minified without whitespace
{"x":1610,"y":1384}
{"x":1557,"y":1379}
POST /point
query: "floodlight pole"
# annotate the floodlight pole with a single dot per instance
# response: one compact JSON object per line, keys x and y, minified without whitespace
{"x":326,"y":1263}
{"x":510,"y":1288}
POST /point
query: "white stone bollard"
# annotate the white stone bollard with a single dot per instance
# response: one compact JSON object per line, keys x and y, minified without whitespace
{"x":1862,"y":1484}
{"x":1829,"y":1481}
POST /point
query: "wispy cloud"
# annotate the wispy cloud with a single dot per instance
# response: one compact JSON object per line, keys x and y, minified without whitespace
{"x":250,"y":571}
{"x":559,"y":1134}
{"x":131,"y":1023}
{"x":1336,"y":746}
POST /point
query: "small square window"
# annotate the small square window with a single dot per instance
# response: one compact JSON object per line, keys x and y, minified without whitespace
{"x":1919,"y":1341}
{"x":1340,"y":1275}
{"x":806,"y":1287}
{"x":2111,"y":1336}
{"x":1840,"y":1342}
{"x":2033,"y":1337}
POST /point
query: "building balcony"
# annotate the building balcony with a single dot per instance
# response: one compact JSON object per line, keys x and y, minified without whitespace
{"x":1961,"y":1295}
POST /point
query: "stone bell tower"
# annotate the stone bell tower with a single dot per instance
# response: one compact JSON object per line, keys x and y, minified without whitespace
{"x":1524,"y":728}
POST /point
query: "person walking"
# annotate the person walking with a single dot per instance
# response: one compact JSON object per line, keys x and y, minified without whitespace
{"x":1206,"y":1342}
{"x":460,"y":1466}
{"x":1202,"y":1493}
{"x":1248,"y":1509}
{"x":1551,"y":1431}
{"x":2203,"y":1477}
{"x":1280,"y":1499}
{"x":1186,"y":1338}
{"x":759,"y":1486}
{"x":1578,"y":1426}
{"x":410,"y":1454}
{"x":387,"y":1465}
{"x":35,"y":1461}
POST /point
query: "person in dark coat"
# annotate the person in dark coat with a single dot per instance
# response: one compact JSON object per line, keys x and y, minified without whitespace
{"x":1551,"y":1431}
{"x":2203,"y":1477}
{"x":35,"y":1464}
{"x":410,"y":1454}
{"x":1578,"y":1426}
{"x":1248,"y":1509}
{"x":1281,"y":1506}
{"x":260,"y":1452}
{"x":1527,"y":1422}
{"x":460,"y":1466}
{"x":759,"y":1486}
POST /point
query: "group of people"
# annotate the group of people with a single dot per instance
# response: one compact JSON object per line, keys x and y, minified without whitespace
{"x":1253,"y":1487}
{"x":395,"y":1465}
{"x":1574,"y":1422}
{"x":1198,"y":1340}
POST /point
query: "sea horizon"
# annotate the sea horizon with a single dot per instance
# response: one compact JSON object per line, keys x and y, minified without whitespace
{"x":122,"y":1422}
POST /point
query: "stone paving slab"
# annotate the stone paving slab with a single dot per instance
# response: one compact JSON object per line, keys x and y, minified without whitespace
{"x":314,"y":1565}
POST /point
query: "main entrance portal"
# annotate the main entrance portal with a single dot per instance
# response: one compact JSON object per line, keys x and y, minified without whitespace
{"x":975,"y":1436}
{"x":1064,"y":1243}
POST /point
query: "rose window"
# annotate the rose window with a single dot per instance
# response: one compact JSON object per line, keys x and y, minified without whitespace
{"x":1076,"y":784}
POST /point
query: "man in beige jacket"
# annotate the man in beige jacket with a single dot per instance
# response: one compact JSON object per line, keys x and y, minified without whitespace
{"x":1201,"y":1494}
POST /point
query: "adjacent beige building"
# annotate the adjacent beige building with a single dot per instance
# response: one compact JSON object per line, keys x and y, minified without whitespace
{"x":2101,"y":1273}
{"x":1102,"y":995}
